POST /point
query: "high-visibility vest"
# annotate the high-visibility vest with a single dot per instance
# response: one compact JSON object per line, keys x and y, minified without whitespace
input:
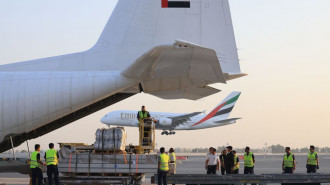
{"x":312,"y":158}
{"x":142,"y":116}
{"x":248,"y":159}
{"x":236,"y":166}
{"x":51,"y":157}
{"x":164,"y":159}
{"x":34,"y":161}
{"x":288,"y":161}
{"x":174,"y":157}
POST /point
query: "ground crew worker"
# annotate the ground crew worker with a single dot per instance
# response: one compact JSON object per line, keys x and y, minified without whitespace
{"x":222,"y":161}
{"x":35,"y":166}
{"x":143,"y":114}
{"x":163,"y":168}
{"x":51,"y":157}
{"x":236,"y":163}
{"x":289,"y":162}
{"x":249,"y":161}
{"x":212,"y":162}
{"x":229,"y":161}
{"x":172,"y":164}
{"x":312,"y":160}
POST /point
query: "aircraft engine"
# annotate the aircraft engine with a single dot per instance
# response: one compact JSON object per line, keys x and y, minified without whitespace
{"x":165,"y":121}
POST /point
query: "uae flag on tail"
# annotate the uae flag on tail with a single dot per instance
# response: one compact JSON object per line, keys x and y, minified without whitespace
{"x":175,"y":4}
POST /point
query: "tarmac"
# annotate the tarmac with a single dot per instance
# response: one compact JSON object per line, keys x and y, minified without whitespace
{"x":265,"y":164}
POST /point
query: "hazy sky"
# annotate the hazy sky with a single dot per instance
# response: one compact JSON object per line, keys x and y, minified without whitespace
{"x":283,"y":45}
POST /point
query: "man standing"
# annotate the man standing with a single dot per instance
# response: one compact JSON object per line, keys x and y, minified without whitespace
{"x":143,"y":114}
{"x":212,"y":162}
{"x":163,"y":168}
{"x":249,"y":161}
{"x":222,"y":161}
{"x":312,"y":160}
{"x":172,"y":164}
{"x":236,"y":163}
{"x":289,"y":162}
{"x":51,"y":157}
{"x":229,"y":161}
{"x":35,"y":165}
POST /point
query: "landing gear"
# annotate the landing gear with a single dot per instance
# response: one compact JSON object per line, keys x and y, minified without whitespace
{"x":164,"y":132}
{"x":168,"y":133}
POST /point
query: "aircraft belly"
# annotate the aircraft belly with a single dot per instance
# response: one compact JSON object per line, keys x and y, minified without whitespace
{"x":30,"y":100}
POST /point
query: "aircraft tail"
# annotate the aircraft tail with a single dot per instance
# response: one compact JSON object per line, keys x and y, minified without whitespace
{"x":170,"y":49}
{"x":135,"y":27}
{"x":223,"y":109}
{"x":227,"y":105}
{"x":139,"y":25}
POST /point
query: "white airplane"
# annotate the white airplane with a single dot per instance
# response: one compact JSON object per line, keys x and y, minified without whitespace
{"x":170,"y":49}
{"x":174,"y":121}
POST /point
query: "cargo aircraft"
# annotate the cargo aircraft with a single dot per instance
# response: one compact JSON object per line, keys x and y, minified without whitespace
{"x":169,"y":49}
{"x":169,"y":122}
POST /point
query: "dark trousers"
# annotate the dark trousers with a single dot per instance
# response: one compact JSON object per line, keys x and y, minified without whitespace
{"x":162,"y":177}
{"x":52,"y":170}
{"x":211,"y":169}
{"x":36,"y":176}
{"x":236,"y":171}
{"x":223,"y":170}
{"x":288,"y":169}
{"x":248,"y":170}
{"x":311,"y":168}
{"x":228,"y":171}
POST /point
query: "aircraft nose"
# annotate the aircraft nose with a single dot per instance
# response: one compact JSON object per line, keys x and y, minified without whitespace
{"x":105,"y":119}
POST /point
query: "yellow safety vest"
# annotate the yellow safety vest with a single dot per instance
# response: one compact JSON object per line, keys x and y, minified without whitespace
{"x":174,"y":157}
{"x":34,"y":161}
{"x":164,"y":159}
{"x":51,"y":157}
{"x":235,"y":163}
{"x":288,"y":161}
{"x":142,"y":116}
{"x":248,"y":160}
{"x":312,"y":158}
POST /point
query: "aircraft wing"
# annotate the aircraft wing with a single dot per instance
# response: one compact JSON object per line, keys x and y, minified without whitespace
{"x":183,"y":118}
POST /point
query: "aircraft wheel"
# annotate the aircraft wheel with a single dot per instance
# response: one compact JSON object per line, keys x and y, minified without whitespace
{"x":163,"y":133}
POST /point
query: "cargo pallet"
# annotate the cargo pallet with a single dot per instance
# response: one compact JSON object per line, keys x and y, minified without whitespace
{"x":107,"y":179}
{"x":104,"y":168}
{"x":264,"y":179}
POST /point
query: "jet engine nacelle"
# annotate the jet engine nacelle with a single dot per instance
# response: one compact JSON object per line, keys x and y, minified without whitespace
{"x":165,"y":121}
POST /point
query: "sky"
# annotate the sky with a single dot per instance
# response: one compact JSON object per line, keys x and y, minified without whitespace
{"x":283,"y":47}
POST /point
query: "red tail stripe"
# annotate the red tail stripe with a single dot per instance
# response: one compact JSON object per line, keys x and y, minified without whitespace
{"x":211,"y":114}
{"x":164,"y":3}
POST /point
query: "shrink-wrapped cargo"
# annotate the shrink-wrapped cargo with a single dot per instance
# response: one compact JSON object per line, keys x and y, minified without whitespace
{"x":110,"y":139}
{"x":100,"y":163}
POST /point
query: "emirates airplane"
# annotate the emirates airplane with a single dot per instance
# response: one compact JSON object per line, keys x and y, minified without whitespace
{"x":168,"y":122}
{"x":170,"y":49}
